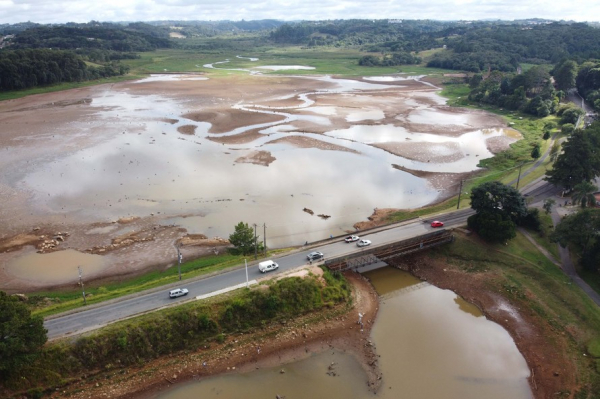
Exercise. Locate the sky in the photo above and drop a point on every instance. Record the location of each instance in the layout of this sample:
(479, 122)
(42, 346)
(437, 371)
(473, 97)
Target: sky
(60, 11)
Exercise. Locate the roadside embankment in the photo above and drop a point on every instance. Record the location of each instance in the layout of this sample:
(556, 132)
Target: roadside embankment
(274, 323)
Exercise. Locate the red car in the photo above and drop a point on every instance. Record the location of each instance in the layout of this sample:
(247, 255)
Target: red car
(437, 223)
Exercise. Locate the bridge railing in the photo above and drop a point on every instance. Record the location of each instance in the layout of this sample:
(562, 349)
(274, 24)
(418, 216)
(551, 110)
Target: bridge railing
(388, 251)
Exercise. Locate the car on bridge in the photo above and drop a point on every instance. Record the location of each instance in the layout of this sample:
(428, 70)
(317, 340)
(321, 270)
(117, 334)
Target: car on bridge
(316, 255)
(352, 238)
(437, 223)
(176, 293)
(363, 243)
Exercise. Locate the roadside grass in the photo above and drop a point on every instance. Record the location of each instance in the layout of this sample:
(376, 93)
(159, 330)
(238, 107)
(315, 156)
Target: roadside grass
(543, 239)
(519, 271)
(186, 327)
(592, 278)
(62, 301)
(406, 214)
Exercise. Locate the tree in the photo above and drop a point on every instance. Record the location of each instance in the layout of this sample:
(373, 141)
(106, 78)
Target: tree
(549, 126)
(565, 74)
(571, 115)
(546, 135)
(21, 335)
(567, 128)
(548, 204)
(499, 209)
(584, 194)
(532, 220)
(243, 240)
(535, 152)
(492, 226)
(497, 197)
(580, 159)
(581, 229)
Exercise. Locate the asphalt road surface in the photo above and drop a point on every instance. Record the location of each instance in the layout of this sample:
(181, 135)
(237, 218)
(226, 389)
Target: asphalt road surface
(99, 315)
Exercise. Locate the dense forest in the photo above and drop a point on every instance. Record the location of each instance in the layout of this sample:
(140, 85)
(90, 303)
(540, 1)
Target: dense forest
(504, 47)
(473, 47)
(133, 37)
(375, 36)
(531, 92)
(45, 55)
(23, 69)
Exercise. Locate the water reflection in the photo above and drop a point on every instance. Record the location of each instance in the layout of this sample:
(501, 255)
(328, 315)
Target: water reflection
(432, 348)
(429, 343)
(306, 379)
(141, 164)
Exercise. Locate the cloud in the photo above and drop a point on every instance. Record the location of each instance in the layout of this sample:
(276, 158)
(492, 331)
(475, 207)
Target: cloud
(60, 11)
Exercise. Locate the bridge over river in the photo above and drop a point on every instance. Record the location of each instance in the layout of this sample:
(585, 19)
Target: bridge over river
(375, 257)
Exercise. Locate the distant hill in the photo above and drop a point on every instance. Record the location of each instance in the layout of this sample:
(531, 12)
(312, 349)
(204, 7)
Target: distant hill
(93, 35)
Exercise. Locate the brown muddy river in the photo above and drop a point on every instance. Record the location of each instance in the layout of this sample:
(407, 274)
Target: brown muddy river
(431, 343)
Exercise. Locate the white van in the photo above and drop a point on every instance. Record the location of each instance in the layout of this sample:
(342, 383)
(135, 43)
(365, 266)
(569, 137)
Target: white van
(178, 292)
(267, 266)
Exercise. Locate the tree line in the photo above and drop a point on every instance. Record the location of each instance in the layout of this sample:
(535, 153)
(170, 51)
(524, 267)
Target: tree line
(504, 47)
(136, 37)
(372, 35)
(43, 55)
(24, 69)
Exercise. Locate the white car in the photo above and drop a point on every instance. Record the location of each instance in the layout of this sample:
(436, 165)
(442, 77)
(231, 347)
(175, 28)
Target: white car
(352, 238)
(267, 266)
(363, 243)
(178, 292)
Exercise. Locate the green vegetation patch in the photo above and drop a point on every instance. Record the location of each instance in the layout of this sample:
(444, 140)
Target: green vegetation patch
(185, 327)
(594, 347)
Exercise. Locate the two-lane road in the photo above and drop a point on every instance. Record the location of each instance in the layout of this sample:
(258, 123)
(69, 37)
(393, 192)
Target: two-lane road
(106, 313)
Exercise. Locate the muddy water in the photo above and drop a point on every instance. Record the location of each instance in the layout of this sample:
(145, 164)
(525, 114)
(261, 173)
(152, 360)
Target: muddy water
(435, 345)
(142, 165)
(432, 344)
(56, 266)
(303, 379)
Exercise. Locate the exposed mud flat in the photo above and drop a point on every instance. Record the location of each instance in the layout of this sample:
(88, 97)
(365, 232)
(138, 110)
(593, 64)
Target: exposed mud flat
(173, 145)
(263, 158)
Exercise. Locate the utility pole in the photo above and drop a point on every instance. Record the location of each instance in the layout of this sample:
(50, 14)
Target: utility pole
(255, 243)
(247, 283)
(265, 238)
(179, 259)
(81, 284)
(459, 193)
(519, 178)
